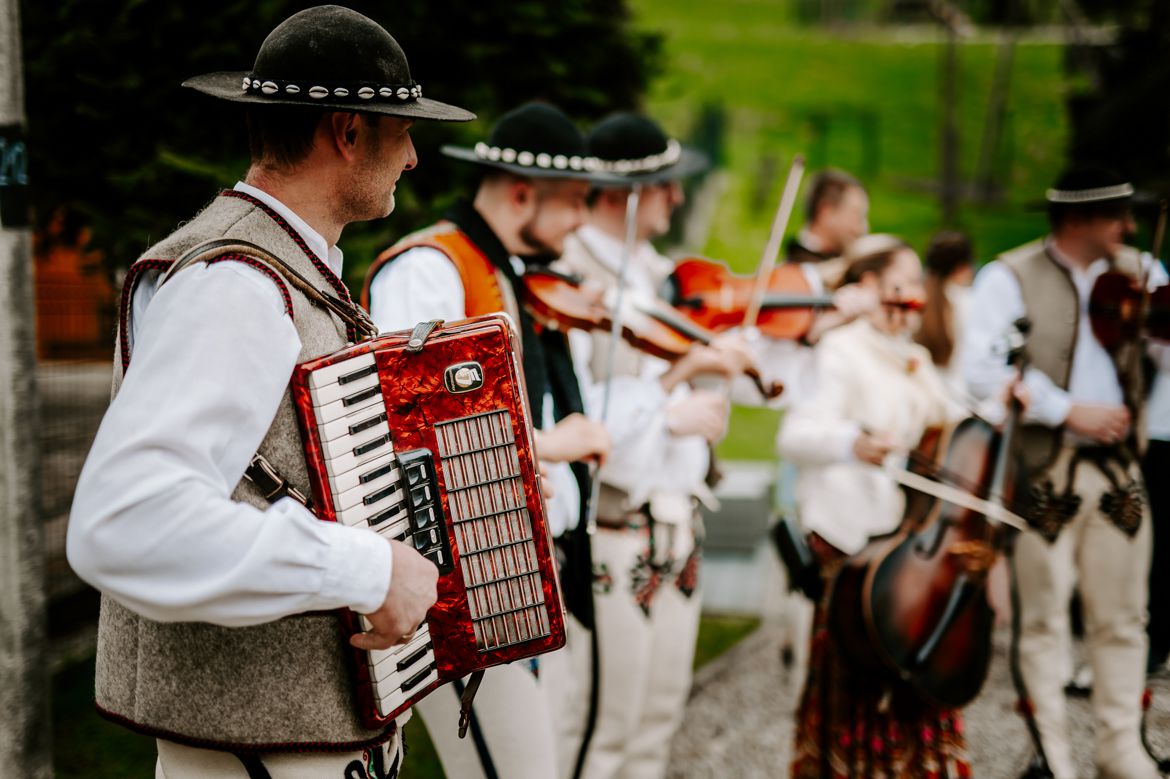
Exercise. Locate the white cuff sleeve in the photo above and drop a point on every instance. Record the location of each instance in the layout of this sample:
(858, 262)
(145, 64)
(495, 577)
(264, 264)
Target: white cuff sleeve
(359, 567)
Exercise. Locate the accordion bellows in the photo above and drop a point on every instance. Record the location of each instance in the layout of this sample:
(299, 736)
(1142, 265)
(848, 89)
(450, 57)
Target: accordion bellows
(429, 441)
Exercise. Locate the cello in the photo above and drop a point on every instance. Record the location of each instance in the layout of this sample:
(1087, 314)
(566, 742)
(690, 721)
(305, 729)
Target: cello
(913, 604)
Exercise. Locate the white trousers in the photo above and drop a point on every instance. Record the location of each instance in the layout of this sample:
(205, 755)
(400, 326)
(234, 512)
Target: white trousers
(176, 761)
(513, 732)
(645, 662)
(1110, 570)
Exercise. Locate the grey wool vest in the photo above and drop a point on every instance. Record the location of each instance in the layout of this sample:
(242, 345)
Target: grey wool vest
(280, 686)
(1054, 310)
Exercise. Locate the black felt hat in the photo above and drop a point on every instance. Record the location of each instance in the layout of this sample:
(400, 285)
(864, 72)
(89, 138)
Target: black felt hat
(537, 140)
(637, 150)
(1089, 185)
(332, 58)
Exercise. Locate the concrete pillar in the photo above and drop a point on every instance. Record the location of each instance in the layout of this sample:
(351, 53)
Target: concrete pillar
(25, 733)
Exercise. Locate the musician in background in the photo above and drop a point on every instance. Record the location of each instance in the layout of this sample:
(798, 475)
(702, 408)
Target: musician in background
(646, 549)
(217, 634)
(1155, 466)
(531, 196)
(950, 268)
(1078, 448)
(877, 393)
(836, 212)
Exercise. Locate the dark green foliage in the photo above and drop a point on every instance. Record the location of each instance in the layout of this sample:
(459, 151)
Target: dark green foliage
(112, 135)
(86, 745)
(1120, 117)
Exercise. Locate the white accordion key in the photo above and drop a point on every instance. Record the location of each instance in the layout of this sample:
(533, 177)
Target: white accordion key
(364, 440)
(352, 423)
(372, 491)
(356, 456)
(360, 399)
(398, 671)
(342, 374)
(375, 516)
(408, 654)
(356, 387)
(369, 472)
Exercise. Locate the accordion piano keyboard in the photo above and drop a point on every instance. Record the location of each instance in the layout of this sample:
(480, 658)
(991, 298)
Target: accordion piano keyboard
(493, 529)
(368, 491)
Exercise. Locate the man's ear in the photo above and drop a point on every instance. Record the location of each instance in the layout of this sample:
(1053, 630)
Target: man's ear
(615, 197)
(522, 192)
(344, 129)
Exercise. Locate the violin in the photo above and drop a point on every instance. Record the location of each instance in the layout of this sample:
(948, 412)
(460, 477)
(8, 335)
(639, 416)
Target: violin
(1120, 312)
(710, 295)
(558, 301)
(913, 605)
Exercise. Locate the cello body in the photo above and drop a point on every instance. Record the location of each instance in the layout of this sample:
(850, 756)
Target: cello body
(914, 605)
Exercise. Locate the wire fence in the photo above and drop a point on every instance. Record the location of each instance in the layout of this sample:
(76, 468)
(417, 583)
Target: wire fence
(75, 311)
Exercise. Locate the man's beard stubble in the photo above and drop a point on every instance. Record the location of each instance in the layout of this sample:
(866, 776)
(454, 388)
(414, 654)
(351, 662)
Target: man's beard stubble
(365, 196)
(543, 253)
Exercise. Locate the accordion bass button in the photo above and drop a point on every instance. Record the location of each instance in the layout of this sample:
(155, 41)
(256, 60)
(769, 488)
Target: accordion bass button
(420, 496)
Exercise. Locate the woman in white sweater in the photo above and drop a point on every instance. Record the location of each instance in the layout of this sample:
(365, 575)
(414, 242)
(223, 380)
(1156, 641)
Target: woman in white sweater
(876, 393)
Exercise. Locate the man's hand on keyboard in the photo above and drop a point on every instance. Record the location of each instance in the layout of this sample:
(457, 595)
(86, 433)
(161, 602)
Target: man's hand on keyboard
(412, 591)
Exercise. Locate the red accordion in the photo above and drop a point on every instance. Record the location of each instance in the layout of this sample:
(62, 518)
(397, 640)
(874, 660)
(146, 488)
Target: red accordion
(425, 437)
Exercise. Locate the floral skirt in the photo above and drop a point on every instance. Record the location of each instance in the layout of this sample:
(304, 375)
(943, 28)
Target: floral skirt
(851, 726)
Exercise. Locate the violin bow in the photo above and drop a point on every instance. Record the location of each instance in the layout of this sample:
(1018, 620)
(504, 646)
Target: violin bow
(615, 337)
(772, 248)
(1144, 271)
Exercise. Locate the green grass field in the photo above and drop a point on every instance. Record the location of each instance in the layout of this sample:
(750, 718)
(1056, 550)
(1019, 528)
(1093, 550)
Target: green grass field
(861, 102)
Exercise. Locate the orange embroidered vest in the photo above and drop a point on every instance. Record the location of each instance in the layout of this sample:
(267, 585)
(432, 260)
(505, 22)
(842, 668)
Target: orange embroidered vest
(483, 292)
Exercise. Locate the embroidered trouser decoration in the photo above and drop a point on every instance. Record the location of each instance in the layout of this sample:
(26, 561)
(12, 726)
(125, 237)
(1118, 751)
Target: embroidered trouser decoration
(1048, 512)
(1125, 503)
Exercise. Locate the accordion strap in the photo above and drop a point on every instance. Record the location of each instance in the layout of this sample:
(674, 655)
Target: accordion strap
(272, 485)
(466, 698)
(349, 313)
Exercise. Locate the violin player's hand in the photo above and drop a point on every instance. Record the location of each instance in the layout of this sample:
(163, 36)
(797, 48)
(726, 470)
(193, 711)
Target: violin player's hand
(412, 592)
(702, 413)
(1016, 389)
(737, 352)
(546, 486)
(593, 290)
(853, 300)
(1102, 423)
(849, 302)
(728, 355)
(872, 448)
(576, 437)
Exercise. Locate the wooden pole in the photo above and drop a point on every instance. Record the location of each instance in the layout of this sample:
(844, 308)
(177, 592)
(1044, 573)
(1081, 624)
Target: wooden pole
(949, 163)
(25, 737)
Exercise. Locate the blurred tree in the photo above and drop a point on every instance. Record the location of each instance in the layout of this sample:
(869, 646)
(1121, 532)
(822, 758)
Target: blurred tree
(112, 136)
(1120, 115)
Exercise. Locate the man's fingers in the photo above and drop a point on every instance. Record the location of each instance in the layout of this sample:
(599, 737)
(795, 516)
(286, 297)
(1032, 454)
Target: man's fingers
(371, 641)
(383, 639)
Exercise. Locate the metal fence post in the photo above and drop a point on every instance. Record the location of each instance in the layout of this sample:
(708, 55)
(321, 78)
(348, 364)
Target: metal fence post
(25, 735)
